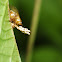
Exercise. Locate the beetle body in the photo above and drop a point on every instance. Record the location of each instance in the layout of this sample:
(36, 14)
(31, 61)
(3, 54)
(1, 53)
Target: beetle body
(15, 18)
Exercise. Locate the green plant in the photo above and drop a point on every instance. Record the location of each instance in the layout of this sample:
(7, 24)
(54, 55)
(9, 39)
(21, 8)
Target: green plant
(8, 47)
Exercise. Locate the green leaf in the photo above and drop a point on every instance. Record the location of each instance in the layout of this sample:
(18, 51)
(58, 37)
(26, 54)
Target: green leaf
(8, 47)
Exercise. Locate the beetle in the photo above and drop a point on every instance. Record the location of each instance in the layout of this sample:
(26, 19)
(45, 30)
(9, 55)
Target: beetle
(17, 22)
(15, 18)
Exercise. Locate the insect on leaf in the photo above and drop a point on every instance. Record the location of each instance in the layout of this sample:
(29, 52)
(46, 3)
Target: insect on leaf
(8, 47)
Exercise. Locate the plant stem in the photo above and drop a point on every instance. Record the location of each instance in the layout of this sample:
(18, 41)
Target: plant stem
(34, 26)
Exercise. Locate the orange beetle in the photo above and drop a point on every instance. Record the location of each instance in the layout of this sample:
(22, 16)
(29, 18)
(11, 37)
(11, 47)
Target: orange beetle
(17, 22)
(15, 18)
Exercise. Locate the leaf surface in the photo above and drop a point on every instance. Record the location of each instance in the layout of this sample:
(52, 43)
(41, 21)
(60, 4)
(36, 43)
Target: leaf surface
(8, 47)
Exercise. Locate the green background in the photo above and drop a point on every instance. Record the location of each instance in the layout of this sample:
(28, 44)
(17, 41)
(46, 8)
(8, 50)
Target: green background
(48, 42)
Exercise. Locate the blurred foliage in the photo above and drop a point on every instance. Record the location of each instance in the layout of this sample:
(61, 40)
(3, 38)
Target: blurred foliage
(50, 24)
(49, 29)
(46, 54)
